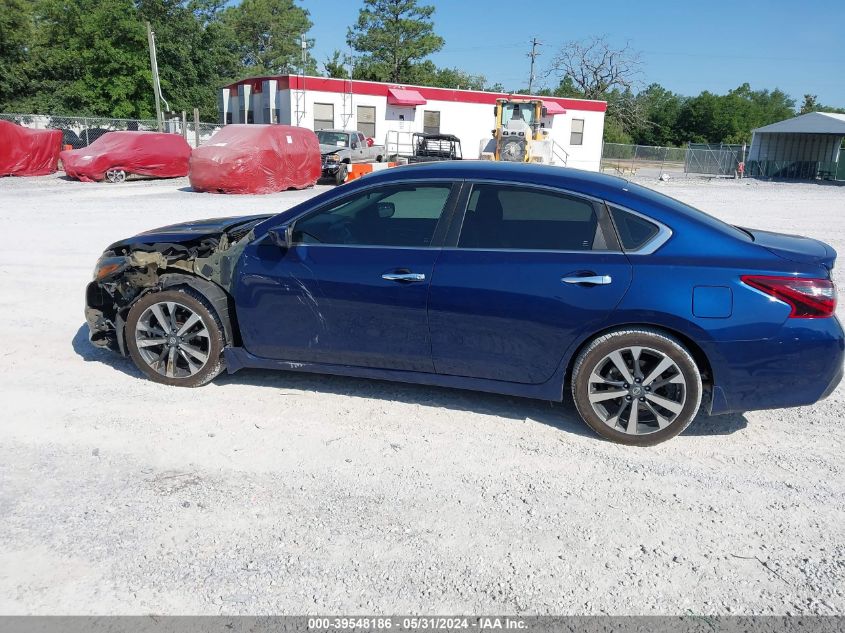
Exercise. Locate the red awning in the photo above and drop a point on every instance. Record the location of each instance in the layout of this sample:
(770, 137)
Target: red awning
(403, 97)
(553, 108)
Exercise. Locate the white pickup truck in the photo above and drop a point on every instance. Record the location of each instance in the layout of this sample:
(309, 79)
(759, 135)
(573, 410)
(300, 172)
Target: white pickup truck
(340, 148)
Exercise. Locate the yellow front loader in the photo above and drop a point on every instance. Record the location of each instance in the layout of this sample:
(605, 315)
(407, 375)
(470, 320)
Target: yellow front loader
(520, 135)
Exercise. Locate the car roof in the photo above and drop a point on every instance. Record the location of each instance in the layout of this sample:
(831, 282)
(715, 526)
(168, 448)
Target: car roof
(563, 177)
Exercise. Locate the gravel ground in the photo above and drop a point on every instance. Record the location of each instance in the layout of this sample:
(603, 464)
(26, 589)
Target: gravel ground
(283, 493)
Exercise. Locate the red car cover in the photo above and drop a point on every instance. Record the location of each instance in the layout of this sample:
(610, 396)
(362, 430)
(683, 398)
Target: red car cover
(256, 159)
(27, 152)
(144, 153)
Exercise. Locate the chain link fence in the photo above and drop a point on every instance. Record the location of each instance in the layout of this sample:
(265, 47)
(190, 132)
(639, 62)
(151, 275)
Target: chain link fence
(714, 159)
(694, 159)
(81, 131)
(642, 160)
(704, 159)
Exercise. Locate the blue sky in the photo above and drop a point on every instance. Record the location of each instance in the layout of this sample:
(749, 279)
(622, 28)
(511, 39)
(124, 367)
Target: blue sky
(686, 46)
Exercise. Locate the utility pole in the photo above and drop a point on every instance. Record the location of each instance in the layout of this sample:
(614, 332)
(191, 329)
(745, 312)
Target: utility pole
(151, 39)
(533, 55)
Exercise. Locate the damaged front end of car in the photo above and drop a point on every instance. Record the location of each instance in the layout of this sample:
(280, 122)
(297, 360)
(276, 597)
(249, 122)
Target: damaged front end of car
(200, 256)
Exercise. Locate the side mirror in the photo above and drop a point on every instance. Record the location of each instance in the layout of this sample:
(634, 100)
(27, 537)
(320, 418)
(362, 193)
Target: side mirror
(281, 236)
(385, 209)
(544, 112)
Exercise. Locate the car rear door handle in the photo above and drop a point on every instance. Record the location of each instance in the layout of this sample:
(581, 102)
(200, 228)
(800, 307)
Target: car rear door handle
(403, 277)
(595, 280)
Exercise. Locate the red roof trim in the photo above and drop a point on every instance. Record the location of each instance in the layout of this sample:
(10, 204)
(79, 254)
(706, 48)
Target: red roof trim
(376, 89)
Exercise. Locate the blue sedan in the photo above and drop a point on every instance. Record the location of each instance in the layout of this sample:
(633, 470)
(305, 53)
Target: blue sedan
(525, 280)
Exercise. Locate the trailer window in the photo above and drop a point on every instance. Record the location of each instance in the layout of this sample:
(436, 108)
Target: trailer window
(576, 137)
(367, 120)
(323, 116)
(431, 121)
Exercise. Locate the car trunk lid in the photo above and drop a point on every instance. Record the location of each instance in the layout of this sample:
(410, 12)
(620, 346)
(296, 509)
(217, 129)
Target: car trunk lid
(795, 248)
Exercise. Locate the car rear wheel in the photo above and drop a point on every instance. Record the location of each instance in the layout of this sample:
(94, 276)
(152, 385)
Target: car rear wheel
(636, 386)
(175, 338)
(115, 175)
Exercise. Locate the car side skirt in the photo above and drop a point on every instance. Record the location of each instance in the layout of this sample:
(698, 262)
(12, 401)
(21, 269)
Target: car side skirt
(238, 358)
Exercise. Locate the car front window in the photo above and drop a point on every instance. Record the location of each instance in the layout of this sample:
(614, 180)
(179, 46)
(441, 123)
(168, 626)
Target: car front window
(338, 139)
(395, 215)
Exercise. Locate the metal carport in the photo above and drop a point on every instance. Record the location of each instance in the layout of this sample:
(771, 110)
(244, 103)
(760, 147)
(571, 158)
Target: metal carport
(806, 147)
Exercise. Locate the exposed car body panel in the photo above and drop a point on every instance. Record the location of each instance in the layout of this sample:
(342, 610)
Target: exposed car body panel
(186, 231)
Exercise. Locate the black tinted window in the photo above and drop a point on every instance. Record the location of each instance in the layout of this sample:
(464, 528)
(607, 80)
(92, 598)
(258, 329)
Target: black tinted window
(502, 216)
(634, 231)
(400, 215)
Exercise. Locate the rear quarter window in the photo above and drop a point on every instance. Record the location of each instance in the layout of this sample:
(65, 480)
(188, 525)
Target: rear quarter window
(634, 231)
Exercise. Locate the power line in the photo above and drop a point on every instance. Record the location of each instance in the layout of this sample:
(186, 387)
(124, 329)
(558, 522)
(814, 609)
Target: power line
(533, 55)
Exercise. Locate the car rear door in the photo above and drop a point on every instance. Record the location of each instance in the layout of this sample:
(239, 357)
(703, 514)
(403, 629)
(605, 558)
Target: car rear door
(525, 271)
(352, 289)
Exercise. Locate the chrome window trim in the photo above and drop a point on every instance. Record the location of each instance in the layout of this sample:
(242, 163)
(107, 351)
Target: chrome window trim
(664, 233)
(552, 188)
(531, 250)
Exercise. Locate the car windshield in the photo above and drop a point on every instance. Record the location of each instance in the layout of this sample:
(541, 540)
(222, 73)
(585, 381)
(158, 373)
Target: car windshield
(688, 211)
(517, 111)
(338, 139)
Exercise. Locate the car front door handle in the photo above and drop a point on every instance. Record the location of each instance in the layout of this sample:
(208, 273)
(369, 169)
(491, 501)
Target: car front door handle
(595, 280)
(403, 277)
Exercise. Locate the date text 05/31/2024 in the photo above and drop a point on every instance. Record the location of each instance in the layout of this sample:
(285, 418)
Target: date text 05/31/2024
(416, 623)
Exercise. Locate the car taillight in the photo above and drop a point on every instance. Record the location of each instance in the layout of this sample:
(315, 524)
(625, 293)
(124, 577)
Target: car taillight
(808, 298)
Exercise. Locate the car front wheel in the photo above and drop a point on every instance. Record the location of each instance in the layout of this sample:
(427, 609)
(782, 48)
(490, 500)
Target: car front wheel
(636, 386)
(175, 337)
(115, 175)
(340, 175)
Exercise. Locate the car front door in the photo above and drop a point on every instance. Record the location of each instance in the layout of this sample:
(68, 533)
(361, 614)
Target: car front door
(527, 271)
(353, 286)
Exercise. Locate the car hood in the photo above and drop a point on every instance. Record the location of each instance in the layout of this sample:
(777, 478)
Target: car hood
(795, 248)
(330, 149)
(191, 231)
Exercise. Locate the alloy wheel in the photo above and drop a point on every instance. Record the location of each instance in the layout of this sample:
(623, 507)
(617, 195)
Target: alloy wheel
(172, 339)
(637, 390)
(115, 175)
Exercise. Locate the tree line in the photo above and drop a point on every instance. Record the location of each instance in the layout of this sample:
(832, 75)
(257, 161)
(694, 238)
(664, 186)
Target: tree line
(90, 57)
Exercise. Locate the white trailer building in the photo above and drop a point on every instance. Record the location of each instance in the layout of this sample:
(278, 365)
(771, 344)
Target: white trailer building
(389, 113)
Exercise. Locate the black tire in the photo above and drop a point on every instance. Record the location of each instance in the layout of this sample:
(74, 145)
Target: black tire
(186, 300)
(678, 386)
(379, 159)
(340, 175)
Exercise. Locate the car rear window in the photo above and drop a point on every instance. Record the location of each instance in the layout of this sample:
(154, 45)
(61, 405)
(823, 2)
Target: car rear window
(526, 218)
